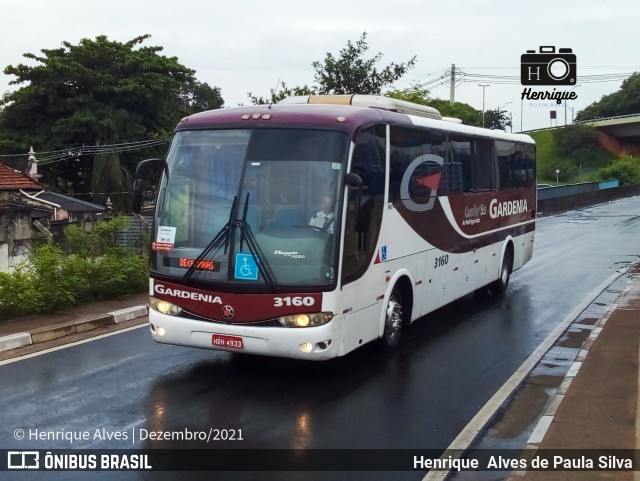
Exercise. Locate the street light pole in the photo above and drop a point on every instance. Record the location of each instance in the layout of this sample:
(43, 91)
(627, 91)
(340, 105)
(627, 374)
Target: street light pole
(483, 87)
(565, 106)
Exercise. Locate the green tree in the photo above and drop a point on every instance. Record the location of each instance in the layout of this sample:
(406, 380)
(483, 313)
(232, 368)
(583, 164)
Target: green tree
(419, 94)
(496, 119)
(624, 101)
(197, 97)
(459, 110)
(279, 93)
(579, 142)
(349, 73)
(96, 92)
(110, 180)
(416, 93)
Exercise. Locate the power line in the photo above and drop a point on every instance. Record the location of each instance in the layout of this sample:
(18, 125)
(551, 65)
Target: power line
(466, 74)
(49, 157)
(85, 146)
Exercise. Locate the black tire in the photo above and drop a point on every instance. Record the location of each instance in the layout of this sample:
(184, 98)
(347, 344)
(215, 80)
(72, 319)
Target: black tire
(499, 286)
(393, 322)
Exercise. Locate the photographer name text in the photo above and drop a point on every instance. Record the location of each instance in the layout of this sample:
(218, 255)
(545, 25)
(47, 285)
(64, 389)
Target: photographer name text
(558, 96)
(133, 435)
(543, 463)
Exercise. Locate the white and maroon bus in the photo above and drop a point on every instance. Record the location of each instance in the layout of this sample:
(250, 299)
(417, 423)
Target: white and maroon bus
(309, 228)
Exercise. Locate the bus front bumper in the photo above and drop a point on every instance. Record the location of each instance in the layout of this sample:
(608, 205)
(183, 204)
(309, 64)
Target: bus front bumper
(310, 343)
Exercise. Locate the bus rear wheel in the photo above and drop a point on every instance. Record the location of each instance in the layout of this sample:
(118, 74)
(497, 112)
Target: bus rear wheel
(393, 321)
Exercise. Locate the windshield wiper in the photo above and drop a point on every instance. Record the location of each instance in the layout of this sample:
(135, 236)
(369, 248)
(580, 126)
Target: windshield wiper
(246, 235)
(218, 239)
(226, 235)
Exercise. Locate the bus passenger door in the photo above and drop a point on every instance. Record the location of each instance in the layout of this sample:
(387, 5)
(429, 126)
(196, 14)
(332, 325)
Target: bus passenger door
(363, 277)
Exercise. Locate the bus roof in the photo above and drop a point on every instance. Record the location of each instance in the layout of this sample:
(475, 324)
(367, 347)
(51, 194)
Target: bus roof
(342, 112)
(370, 101)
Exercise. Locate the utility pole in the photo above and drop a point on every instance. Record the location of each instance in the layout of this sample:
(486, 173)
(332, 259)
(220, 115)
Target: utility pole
(484, 86)
(452, 91)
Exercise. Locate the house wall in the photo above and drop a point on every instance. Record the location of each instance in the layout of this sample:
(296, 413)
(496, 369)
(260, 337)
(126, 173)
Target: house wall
(15, 237)
(4, 257)
(22, 227)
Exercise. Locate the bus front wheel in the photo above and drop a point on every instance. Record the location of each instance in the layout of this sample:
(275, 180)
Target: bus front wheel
(499, 287)
(394, 315)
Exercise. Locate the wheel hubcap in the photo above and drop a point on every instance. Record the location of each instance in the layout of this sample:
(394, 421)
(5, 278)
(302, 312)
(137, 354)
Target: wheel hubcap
(505, 273)
(394, 318)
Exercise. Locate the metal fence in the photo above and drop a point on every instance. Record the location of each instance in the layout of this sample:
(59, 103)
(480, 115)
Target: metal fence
(136, 234)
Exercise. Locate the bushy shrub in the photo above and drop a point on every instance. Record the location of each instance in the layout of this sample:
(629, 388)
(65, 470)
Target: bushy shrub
(54, 276)
(575, 139)
(626, 169)
(92, 268)
(99, 241)
(18, 294)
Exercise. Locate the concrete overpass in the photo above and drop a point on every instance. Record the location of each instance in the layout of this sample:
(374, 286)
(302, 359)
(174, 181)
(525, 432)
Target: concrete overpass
(625, 128)
(619, 135)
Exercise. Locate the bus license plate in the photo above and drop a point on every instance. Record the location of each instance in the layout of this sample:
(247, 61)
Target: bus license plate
(232, 342)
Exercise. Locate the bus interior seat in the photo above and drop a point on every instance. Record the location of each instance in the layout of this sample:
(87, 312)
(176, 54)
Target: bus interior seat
(286, 216)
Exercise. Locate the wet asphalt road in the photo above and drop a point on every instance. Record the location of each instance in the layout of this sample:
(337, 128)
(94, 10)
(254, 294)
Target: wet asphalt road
(450, 364)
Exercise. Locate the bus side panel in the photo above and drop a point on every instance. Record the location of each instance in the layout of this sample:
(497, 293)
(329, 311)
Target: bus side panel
(401, 248)
(362, 311)
(438, 280)
(523, 250)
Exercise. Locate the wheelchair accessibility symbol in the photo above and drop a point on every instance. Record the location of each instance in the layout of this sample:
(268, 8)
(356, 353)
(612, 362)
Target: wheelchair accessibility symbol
(246, 267)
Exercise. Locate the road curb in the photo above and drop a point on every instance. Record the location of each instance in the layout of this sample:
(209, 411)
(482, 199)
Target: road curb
(15, 341)
(57, 331)
(129, 313)
(491, 409)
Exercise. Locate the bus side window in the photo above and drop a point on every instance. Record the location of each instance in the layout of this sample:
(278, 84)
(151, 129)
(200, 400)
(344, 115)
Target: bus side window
(483, 160)
(461, 148)
(530, 164)
(504, 153)
(516, 164)
(406, 146)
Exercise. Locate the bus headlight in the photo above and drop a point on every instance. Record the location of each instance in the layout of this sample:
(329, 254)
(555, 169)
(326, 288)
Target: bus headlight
(164, 307)
(306, 320)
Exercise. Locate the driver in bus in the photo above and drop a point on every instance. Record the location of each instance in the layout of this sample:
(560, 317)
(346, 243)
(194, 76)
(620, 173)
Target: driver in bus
(325, 218)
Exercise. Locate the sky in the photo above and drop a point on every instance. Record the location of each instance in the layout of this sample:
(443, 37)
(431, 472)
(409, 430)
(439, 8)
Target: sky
(246, 46)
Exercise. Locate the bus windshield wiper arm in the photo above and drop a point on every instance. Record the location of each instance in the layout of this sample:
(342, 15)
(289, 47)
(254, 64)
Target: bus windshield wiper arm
(259, 258)
(246, 235)
(218, 239)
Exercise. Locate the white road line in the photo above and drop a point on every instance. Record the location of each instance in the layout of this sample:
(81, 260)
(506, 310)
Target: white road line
(71, 344)
(472, 430)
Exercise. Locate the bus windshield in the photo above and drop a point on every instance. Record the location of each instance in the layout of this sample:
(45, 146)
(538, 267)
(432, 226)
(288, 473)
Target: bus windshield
(252, 207)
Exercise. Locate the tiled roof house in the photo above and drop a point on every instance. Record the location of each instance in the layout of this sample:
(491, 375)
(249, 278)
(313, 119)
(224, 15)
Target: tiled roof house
(11, 179)
(17, 213)
(63, 208)
(25, 203)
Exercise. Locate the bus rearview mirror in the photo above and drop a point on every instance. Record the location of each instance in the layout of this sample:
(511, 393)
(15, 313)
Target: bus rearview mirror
(353, 180)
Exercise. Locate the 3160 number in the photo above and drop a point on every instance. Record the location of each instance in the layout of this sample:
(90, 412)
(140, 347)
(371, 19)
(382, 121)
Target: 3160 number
(441, 261)
(293, 301)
